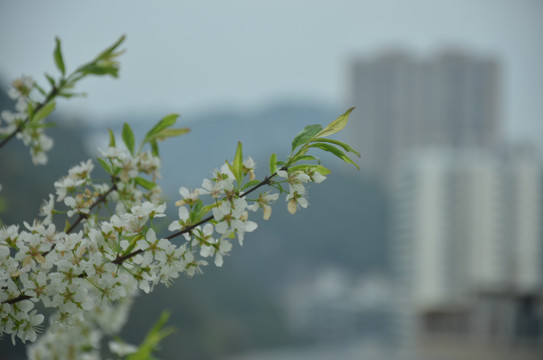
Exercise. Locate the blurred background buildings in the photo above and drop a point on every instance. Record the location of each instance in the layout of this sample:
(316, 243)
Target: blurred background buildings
(467, 247)
(468, 253)
(404, 103)
(465, 273)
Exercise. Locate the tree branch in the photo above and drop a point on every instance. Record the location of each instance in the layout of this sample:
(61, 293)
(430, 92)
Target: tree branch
(120, 259)
(266, 181)
(17, 299)
(81, 216)
(101, 199)
(22, 125)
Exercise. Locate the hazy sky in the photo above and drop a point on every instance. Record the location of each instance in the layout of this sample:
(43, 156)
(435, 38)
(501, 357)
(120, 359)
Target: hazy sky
(185, 56)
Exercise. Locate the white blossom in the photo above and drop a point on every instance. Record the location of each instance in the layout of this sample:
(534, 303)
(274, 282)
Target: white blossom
(81, 171)
(148, 164)
(21, 87)
(183, 214)
(12, 120)
(215, 247)
(263, 202)
(295, 199)
(249, 167)
(188, 197)
(121, 348)
(66, 185)
(47, 209)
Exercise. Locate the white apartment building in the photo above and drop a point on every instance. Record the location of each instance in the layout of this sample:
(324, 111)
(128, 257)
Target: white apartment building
(468, 245)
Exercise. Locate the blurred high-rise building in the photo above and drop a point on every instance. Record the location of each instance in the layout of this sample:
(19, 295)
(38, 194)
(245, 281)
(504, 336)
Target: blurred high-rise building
(467, 244)
(474, 223)
(468, 250)
(404, 103)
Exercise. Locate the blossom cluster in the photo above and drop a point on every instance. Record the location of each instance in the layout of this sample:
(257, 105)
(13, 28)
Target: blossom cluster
(17, 122)
(76, 273)
(33, 103)
(83, 339)
(116, 251)
(110, 247)
(230, 215)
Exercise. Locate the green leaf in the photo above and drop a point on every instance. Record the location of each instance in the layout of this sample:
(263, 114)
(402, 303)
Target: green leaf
(198, 205)
(206, 209)
(30, 109)
(273, 164)
(128, 138)
(346, 147)
(303, 158)
(133, 241)
(305, 135)
(103, 64)
(335, 151)
(193, 217)
(111, 138)
(44, 111)
(154, 148)
(57, 54)
(100, 69)
(279, 187)
(238, 164)
(66, 225)
(195, 214)
(44, 125)
(51, 80)
(40, 89)
(166, 133)
(232, 169)
(144, 183)
(160, 132)
(107, 53)
(164, 123)
(105, 165)
(250, 184)
(321, 169)
(336, 125)
(116, 171)
(152, 339)
(68, 95)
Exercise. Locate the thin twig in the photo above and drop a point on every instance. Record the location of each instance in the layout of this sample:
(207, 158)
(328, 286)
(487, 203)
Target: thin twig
(17, 299)
(22, 125)
(266, 181)
(120, 259)
(70, 229)
(98, 201)
(82, 216)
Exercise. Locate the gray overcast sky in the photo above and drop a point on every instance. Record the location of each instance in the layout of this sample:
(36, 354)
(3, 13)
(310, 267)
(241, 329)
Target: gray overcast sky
(184, 56)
